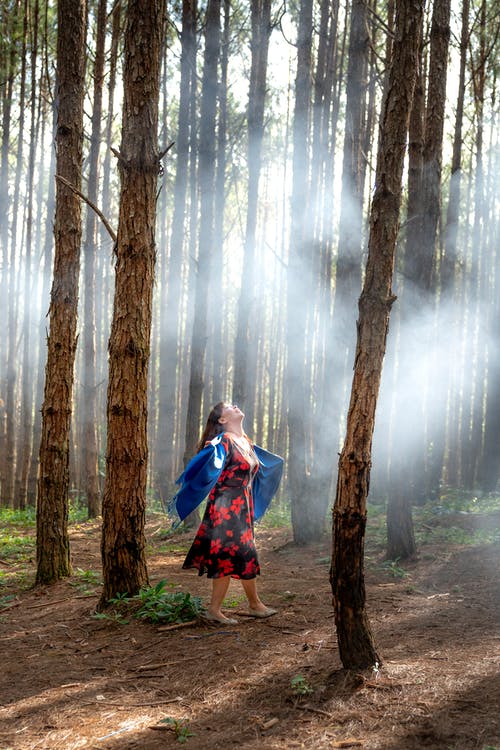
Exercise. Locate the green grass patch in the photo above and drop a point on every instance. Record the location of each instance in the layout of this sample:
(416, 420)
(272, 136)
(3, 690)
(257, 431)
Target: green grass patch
(86, 580)
(24, 518)
(436, 522)
(14, 548)
(233, 602)
(6, 601)
(394, 569)
(456, 500)
(457, 535)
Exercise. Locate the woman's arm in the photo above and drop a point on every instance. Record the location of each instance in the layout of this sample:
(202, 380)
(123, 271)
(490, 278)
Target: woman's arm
(198, 478)
(266, 482)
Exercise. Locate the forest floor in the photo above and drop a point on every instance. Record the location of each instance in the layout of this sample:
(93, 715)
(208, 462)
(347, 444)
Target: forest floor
(69, 680)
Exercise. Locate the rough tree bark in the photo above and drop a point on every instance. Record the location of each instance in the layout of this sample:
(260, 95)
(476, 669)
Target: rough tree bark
(356, 646)
(53, 558)
(124, 501)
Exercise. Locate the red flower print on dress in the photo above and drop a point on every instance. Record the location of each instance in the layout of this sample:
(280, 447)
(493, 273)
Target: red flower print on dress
(226, 567)
(250, 568)
(246, 537)
(237, 504)
(215, 546)
(226, 530)
(215, 516)
(225, 514)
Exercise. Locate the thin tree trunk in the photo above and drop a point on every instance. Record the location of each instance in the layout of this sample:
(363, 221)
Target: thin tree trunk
(89, 481)
(216, 389)
(305, 526)
(245, 348)
(170, 351)
(26, 418)
(47, 262)
(103, 270)
(53, 558)
(479, 263)
(489, 465)
(124, 502)
(7, 444)
(356, 647)
(206, 172)
(400, 534)
(348, 267)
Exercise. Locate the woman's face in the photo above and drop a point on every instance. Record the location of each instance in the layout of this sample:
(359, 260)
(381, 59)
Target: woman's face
(230, 413)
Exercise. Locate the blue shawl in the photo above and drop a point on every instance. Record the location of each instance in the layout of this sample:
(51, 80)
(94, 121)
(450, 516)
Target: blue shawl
(204, 469)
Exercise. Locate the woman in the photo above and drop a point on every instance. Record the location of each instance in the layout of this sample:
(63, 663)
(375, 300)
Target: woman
(240, 479)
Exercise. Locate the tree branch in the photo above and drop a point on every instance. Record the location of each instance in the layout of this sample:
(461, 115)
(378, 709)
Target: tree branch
(89, 203)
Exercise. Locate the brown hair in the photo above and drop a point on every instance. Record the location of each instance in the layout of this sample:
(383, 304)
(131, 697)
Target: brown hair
(213, 427)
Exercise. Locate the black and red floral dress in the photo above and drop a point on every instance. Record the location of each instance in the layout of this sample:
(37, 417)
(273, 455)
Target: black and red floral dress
(224, 544)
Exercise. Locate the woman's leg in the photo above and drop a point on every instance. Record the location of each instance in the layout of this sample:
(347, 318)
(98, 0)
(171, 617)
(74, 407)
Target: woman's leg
(219, 590)
(254, 602)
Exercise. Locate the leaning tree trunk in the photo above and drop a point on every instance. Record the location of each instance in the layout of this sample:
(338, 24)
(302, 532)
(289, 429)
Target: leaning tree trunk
(53, 560)
(124, 502)
(356, 646)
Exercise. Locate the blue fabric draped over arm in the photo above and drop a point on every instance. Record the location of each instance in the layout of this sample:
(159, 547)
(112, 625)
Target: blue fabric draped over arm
(266, 482)
(198, 478)
(204, 469)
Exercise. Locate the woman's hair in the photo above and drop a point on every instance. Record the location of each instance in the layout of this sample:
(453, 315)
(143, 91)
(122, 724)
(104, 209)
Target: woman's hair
(213, 427)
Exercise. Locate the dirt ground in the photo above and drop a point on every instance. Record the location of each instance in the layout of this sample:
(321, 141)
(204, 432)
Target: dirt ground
(71, 681)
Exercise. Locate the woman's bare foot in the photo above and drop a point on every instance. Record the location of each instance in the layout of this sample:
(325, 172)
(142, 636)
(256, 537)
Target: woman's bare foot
(262, 611)
(218, 616)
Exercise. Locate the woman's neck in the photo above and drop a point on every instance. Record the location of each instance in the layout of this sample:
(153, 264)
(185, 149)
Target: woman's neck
(236, 430)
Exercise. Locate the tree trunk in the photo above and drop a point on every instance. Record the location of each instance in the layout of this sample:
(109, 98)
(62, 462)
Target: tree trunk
(28, 359)
(89, 480)
(357, 650)
(480, 270)
(206, 222)
(170, 351)
(7, 444)
(400, 534)
(53, 559)
(103, 272)
(217, 345)
(305, 527)
(245, 349)
(350, 245)
(124, 502)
